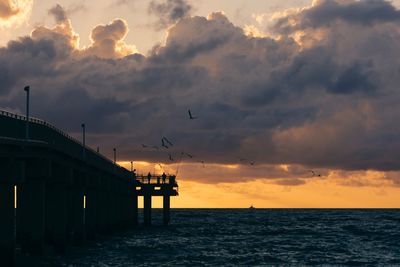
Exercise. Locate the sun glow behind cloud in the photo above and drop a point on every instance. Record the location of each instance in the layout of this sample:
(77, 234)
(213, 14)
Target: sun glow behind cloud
(13, 13)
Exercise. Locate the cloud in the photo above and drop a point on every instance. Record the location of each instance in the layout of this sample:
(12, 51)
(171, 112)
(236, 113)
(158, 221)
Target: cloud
(169, 11)
(14, 13)
(8, 9)
(108, 40)
(314, 95)
(59, 13)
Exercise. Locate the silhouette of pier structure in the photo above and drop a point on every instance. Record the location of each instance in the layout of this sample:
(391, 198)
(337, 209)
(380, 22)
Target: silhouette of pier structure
(64, 192)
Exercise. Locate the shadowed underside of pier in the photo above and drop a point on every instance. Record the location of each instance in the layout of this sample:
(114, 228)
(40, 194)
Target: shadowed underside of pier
(67, 193)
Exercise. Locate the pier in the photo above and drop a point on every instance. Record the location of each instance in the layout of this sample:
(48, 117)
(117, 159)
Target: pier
(56, 191)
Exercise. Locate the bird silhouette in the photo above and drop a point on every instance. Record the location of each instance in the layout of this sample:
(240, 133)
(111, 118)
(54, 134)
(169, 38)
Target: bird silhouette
(163, 144)
(252, 163)
(168, 142)
(191, 116)
(315, 173)
(187, 154)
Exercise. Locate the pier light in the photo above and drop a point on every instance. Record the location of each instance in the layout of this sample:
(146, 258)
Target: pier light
(27, 90)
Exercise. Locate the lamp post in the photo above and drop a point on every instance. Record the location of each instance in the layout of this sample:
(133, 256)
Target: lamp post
(27, 89)
(83, 140)
(131, 166)
(115, 155)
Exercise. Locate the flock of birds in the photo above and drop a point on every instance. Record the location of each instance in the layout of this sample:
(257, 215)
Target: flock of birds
(167, 144)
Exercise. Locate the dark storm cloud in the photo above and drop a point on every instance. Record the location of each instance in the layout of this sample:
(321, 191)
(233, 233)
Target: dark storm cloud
(326, 12)
(169, 11)
(328, 99)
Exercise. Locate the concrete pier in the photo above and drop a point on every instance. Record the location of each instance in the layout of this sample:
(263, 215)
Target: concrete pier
(53, 179)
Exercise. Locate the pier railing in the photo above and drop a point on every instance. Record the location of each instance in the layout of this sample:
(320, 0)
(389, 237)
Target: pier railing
(45, 131)
(157, 180)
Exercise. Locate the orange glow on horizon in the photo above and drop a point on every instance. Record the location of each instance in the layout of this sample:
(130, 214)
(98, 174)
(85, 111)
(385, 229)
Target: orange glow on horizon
(368, 189)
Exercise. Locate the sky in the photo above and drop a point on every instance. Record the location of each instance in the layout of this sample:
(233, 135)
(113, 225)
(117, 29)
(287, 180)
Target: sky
(296, 101)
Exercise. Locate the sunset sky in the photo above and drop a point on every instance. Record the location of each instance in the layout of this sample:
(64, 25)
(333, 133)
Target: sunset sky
(297, 101)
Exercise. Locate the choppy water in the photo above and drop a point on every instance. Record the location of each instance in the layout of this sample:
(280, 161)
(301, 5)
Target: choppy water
(262, 237)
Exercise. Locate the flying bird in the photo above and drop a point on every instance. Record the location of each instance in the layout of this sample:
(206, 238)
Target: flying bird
(315, 173)
(163, 144)
(166, 140)
(187, 154)
(191, 116)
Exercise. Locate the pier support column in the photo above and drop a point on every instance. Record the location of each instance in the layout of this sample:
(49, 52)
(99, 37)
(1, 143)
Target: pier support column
(135, 209)
(31, 213)
(78, 213)
(7, 225)
(57, 215)
(147, 209)
(91, 213)
(166, 209)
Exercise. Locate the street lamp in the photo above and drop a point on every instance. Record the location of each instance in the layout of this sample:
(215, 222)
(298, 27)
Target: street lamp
(83, 140)
(27, 89)
(131, 166)
(115, 155)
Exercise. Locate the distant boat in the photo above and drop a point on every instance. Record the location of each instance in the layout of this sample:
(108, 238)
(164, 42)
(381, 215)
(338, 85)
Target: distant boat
(252, 207)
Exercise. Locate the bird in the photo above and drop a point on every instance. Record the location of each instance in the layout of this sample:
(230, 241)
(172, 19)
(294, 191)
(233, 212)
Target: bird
(190, 115)
(163, 144)
(169, 142)
(187, 154)
(315, 173)
(252, 163)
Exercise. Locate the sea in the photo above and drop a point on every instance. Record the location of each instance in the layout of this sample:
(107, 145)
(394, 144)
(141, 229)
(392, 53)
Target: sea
(249, 237)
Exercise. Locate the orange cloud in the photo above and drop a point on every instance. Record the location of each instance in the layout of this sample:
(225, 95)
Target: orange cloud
(14, 13)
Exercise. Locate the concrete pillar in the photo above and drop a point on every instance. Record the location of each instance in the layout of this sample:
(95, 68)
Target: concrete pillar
(57, 215)
(31, 215)
(91, 213)
(166, 209)
(147, 209)
(101, 210)
(135, 209)
(78, 214)
(7, 225)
